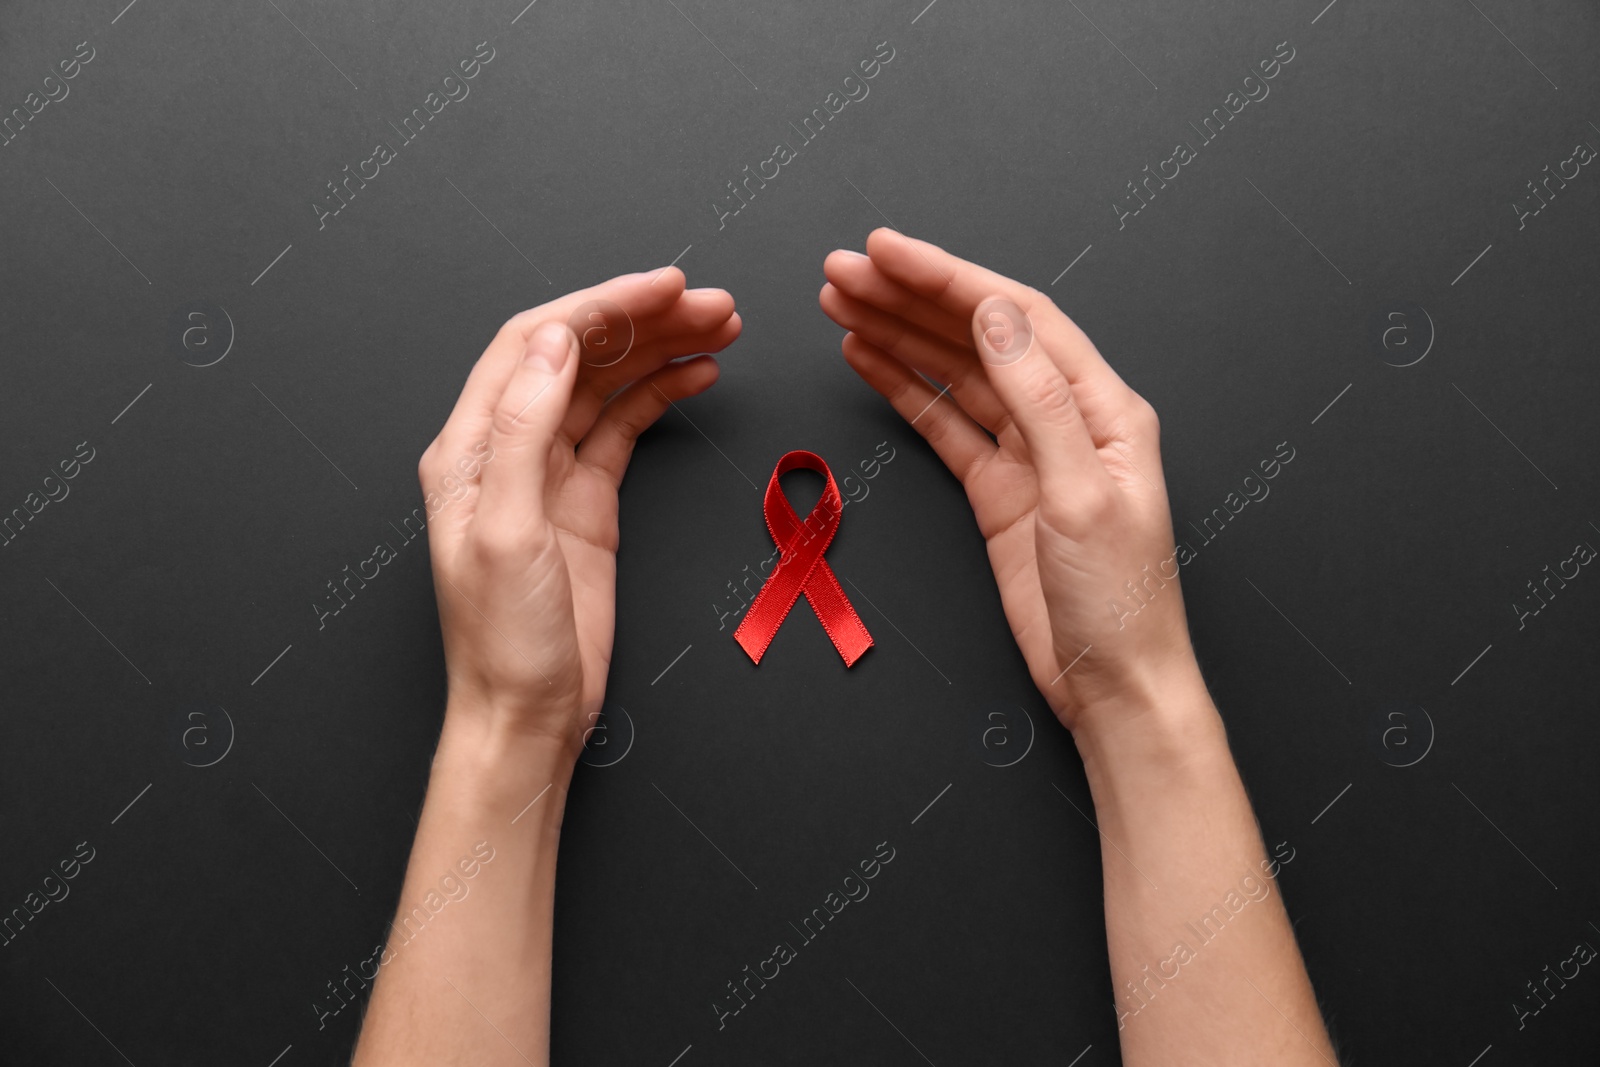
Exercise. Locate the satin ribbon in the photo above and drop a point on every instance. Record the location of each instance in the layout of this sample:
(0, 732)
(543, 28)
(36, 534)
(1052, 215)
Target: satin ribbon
(801, 569)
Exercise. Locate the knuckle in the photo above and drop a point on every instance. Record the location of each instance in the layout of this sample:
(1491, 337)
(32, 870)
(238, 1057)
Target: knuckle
(1153, 421)
(496, 544)
(505, 422)
(1051, 401)
(521, 323)
(513, 415)
(1144, 416)
(1077, 510)
(882, 331)
(939, 426)
(891, 335)
(896, 299)
(1099, 503)
(1030, 300)
(1059, 513)
(631, 424)
(902, 392)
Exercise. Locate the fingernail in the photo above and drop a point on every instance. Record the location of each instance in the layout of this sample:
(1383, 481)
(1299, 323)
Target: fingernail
(550, 346)
(852, 253)
(1004, 332)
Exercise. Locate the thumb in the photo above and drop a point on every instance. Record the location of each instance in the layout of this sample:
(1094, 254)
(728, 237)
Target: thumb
(1038, 398)
(526, 417)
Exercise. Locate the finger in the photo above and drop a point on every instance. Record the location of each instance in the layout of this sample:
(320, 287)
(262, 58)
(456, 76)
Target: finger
(525, 419)
(640, 296)
(609, 445)
(959, 287)
(1041, 404)
(1105, 401)
(698, 311)
(954, 437)
(923, 352)
(587, 403)
(856, 275)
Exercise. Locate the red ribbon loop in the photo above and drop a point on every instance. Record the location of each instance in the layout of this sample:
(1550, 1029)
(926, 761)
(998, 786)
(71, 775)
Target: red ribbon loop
(801, 569)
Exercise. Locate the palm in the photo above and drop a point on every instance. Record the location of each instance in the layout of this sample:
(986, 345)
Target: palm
(1004, 494)
(582, 508)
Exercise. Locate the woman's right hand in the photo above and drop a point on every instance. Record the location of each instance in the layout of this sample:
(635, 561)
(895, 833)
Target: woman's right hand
(524, 555)
(1060, 460)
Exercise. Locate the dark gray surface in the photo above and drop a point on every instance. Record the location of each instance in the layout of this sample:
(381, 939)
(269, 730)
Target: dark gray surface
(187, 155)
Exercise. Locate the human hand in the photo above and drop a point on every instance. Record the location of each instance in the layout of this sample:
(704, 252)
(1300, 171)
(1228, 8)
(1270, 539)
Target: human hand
(1060, 460)
(524, 556)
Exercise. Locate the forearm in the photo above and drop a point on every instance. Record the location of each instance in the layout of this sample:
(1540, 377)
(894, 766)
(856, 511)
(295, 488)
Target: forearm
(1203, 960)
(465, 977)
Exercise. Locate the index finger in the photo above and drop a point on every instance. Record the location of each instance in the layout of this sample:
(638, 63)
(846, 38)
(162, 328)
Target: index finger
(638, 295)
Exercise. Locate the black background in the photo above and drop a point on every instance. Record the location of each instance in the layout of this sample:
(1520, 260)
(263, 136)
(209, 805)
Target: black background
(1241, 302)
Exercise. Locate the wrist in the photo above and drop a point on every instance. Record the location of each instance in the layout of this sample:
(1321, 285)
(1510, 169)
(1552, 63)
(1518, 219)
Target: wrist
(491, 761)
(1157, 725)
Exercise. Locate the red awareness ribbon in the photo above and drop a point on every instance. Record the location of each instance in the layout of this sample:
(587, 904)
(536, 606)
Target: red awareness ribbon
(801, 569)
